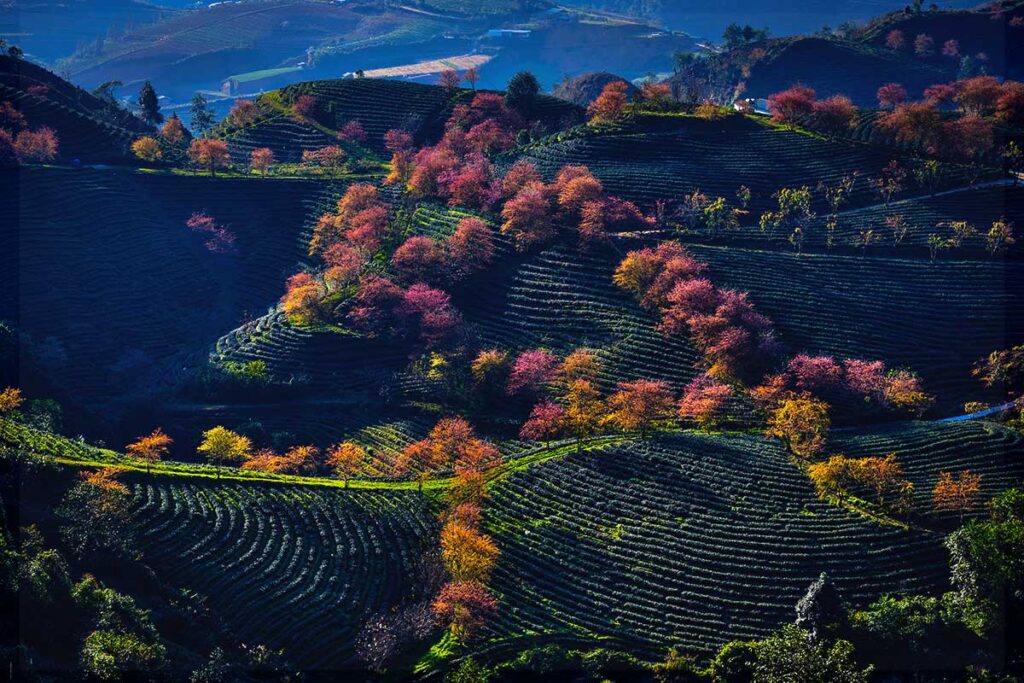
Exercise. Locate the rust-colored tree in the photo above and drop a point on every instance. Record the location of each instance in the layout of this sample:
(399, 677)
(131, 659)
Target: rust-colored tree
(38, 145)
(209, 154)
(527, 217)
(261, 160)
(347, 459)
(465, 607)
(610, 105)
(150, 448)
(958, 494)
(546, 422)
(470, 248)
(704, 401)
(640, 405)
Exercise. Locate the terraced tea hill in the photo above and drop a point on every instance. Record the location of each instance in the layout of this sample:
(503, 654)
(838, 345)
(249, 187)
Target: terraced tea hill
(716, 157)
(562, 299)
(110, 284)
(980, 207)
(378, 104)
(935, 318)
(298, 568)
(88, 129)
(694, 540)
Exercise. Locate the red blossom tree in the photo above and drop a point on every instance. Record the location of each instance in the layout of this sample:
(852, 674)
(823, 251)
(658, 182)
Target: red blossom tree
(430, 164)
(428, 313)
(866, 378)
(518, 176)
(466, 607)
(375, 303)
(449, 80)
(978, 95)
(546, 422)
(352, 131)
(39, 145)
(917, 123)
(531, 370)
(890, 95)
(793, 106)
(218, 238)
(419, 258)
(469, 185)
(895, 40)
(488, 137)
(1010, 105)
(397, 140)
(834, 115)
(704, 400)
(939, 93)
(527, 217)
(815, 373)
(209, 154)
(304, 107)
(243, 113)
(471, 247)
(969, 136)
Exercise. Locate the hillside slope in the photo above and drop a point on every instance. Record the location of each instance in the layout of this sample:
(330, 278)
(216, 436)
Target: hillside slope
(115, 293)
(694, 540)
(88, 128)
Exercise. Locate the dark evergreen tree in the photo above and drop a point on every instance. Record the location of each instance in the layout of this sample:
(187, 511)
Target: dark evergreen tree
(522, 91)
(202, 116)
(149, 106)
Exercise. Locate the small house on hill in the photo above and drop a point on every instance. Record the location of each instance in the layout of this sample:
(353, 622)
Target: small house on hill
(752, 105)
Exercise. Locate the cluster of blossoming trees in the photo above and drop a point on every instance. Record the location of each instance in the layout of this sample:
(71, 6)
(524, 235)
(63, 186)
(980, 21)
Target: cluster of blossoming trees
(21, 143)
(953, 120)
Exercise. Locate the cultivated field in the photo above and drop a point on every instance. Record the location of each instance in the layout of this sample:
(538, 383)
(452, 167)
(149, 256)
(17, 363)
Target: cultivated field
(287, 567)
(694, 540)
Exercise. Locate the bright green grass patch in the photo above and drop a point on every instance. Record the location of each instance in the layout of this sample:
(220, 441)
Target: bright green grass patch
(263, 73)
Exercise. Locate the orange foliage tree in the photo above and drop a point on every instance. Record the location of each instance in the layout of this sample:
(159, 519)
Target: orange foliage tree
(150, 448)
(209, 154)
(147, 148)
(468, 554)
(10, 400)
(347, 459)
(640, 404)
(801, 423)
(885, 476)
(959, 493)
(833, 477)
(610, 105)
(584, 411)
